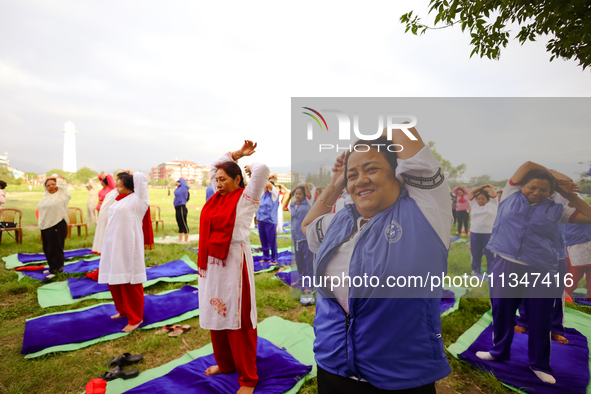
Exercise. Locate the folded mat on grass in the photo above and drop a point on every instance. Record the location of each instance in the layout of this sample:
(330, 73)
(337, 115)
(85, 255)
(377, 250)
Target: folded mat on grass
(77, 267)
(20, 259)
(570, 362)
(71, 330)
(450, 300)
(283, 258)
(278, 372)
(296, 338)
(59, 293)
(580, 297)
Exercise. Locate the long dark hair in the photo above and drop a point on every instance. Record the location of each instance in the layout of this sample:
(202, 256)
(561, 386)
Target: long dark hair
(233, 170)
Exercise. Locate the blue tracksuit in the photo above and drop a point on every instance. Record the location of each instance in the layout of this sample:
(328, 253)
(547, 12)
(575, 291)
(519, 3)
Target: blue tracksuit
(181, 193)
(303, 256)
(391, 341)
(267, 220)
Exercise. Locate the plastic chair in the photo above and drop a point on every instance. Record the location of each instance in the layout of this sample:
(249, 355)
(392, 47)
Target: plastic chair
(153, 209)
(75, 223)
(9, 215)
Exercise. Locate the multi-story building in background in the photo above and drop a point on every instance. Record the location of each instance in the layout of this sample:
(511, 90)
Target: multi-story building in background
(292, 178)
(176, 169)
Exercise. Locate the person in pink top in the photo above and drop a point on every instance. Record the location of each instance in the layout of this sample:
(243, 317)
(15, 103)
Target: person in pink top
(108, 185)
(462, 208)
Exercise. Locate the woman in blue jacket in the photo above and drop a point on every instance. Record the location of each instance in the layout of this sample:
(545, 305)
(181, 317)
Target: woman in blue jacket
(527, 241)
(372, 337)
(181, 197)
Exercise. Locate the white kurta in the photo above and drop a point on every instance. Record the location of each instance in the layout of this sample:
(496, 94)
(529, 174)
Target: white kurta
(53, 208)
(122, 256)
(92, 201)
(103, 218)
(221, 289)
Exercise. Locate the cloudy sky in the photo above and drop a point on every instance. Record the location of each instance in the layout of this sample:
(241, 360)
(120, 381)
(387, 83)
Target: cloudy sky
(147, 82)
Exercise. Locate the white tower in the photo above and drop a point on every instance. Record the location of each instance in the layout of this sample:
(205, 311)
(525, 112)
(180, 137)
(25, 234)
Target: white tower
(69, 147)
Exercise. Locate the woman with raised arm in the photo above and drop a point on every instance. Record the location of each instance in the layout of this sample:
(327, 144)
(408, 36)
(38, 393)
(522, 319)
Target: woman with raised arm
(122, 265)
(108, 185)
(53, 222)
(227, 303)
(372, 338)
(483, 207)
(462, 209)
(526, 239)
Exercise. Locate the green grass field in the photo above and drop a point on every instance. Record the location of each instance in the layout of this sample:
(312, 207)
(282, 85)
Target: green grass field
(68, 372)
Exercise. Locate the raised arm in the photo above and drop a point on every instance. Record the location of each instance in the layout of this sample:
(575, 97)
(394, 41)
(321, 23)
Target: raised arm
(410, 147)
(329, 196)
(258, 181)
(247, 149)
(474, 190)
(568, 191)
(140, 189)
(62, 188)
(524, 169)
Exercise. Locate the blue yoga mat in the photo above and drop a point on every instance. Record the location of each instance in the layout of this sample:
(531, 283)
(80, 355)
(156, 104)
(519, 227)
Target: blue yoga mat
(569, 362)
(278, 372)
(73, 327)
(79, 267)
(30, 257)
(80, 287)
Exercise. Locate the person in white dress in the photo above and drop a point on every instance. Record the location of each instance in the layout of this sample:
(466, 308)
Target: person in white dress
(101, 223)
(92, 201)
(226, 283)
(122, 264)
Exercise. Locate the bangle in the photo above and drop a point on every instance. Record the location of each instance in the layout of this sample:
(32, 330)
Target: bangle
(325, 204)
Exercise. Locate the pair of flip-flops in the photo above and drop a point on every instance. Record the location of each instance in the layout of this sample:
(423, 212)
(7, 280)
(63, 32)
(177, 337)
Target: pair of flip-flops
(174, 331)
(118, 363)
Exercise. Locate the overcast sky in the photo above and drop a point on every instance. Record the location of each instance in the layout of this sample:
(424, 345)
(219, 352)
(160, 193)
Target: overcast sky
(148, 82)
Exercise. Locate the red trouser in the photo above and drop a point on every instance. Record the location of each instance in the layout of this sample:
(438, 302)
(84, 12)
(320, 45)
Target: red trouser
(129, 301)
(236, 350)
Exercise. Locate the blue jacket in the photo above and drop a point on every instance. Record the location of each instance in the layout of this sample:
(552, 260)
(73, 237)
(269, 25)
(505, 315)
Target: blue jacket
(209, 192)
(528, 234)
(393, 343)
(297, 217)
(181, 193)
(268, 209)
(576, 234)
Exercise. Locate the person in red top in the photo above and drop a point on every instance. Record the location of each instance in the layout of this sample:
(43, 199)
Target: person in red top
(462, 208)
(108, 185)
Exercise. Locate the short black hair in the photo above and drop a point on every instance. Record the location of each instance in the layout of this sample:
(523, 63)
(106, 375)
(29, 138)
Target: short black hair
(127, 180)
(482, 193)
(2, 184)
(540, 174)
(50, 179)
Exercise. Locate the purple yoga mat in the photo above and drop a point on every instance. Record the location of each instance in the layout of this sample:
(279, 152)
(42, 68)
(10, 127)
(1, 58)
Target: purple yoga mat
(283, 258)
(81, 326)
(278, 372)
(80, 287)
(80, 267)
(31, 257)
(569, 362)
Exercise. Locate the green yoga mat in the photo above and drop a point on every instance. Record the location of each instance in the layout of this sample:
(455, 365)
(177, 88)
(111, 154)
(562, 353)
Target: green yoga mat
(572, 318)
(58, 293)
(12, 260)
(296, 338)
(75, 346)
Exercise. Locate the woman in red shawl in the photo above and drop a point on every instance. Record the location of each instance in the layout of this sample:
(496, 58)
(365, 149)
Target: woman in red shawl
(108, 185)
(227, 304)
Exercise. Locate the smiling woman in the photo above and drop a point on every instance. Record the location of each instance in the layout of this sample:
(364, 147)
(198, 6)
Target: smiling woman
(369, 339)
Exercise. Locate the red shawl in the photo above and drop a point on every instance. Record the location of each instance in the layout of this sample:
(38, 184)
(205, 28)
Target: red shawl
(216, 226)
(146, 225)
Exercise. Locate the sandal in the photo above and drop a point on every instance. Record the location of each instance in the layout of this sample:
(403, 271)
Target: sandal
(166, 329)
(117, 372)
(125, 359)
(178, 330)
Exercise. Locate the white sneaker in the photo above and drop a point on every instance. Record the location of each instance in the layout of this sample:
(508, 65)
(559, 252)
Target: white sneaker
(544, 377)
(485, 356)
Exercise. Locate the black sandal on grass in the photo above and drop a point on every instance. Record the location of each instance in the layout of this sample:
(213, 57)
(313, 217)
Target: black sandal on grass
(125, 359)
(118, 372)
